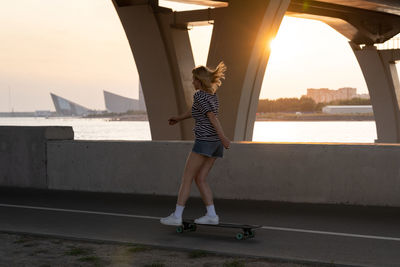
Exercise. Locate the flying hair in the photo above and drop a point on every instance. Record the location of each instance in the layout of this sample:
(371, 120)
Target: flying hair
(210, 78)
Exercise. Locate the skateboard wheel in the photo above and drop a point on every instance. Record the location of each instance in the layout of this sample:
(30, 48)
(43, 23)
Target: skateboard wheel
(239, 236)
(192, 227)
(179, 229)
(251, 234)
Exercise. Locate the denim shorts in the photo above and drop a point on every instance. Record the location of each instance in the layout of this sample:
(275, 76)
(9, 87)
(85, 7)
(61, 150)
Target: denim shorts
(209, 148)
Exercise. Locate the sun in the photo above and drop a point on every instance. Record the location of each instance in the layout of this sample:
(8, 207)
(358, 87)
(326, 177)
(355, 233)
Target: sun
(281, 47)
(273, 44)
(285, 39)
(290, 38)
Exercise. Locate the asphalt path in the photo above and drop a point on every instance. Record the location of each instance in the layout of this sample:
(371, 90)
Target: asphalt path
(332, 234)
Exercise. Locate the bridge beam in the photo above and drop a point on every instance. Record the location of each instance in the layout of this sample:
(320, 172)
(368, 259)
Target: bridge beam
(361, 26)
(379, 70)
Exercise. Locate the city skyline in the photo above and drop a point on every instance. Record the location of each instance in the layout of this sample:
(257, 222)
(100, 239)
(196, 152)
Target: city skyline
(138, 100)
(77, 49)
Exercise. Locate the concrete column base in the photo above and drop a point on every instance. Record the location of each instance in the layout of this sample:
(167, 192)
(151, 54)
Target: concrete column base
(23, 154)
(379, 69)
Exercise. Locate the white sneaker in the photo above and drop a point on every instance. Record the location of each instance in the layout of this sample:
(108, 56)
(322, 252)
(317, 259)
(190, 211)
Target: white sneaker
(207, 219)
(171, 220)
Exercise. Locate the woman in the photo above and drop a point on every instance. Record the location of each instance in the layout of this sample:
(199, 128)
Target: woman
(209, 143)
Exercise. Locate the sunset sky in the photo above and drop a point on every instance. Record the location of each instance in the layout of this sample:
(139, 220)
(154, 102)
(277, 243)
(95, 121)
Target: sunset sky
(78, 48)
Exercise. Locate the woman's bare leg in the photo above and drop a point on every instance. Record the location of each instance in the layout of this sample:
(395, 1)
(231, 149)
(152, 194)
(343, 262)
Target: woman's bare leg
(193, 165)
(201, 182)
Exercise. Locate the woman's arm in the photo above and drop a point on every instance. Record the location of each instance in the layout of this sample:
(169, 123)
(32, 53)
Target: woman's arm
(184, 116)
(215, 122)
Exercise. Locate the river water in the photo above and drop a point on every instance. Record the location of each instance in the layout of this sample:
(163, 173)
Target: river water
(264, 131)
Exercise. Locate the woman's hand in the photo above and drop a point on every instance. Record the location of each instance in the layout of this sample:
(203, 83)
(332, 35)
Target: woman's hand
(226, 142)
(173, 120)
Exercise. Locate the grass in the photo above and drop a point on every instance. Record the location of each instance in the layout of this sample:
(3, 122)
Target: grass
(138, 248)
(30, 245)
(156, 264)
(40, 251)
(198, 254)
(92, 259)
(234, 263)
(57, 242)
(23, 239)
(75, 251)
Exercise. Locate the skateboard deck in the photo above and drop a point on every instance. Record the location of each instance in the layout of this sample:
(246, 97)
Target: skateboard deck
(247, 229)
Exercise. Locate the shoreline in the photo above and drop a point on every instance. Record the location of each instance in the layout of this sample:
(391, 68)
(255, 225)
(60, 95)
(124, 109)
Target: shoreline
(281, 116)
(274, 117)
(278, 116)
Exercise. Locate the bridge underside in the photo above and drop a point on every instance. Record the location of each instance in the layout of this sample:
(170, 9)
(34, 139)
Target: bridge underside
(242, 29)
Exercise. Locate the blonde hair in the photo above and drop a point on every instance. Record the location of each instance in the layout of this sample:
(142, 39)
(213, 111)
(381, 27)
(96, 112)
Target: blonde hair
(210, 79)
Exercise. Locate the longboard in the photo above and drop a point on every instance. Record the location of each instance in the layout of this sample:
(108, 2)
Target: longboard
(247, 229)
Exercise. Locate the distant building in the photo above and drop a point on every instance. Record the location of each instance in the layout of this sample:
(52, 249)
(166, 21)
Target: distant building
(325, 95)
(65, 107)
(142, 103)
(43, 113)
(363, 96)
(120, 104)
(347, 109)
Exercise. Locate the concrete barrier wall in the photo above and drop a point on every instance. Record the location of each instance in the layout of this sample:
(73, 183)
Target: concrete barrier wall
(23, 154)
(125, 167)
(302, 173)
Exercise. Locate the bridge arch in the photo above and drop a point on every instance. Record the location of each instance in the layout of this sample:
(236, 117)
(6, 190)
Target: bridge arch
(160, 44)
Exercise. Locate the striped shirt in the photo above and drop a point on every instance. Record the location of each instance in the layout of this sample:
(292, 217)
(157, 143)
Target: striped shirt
(204, 102)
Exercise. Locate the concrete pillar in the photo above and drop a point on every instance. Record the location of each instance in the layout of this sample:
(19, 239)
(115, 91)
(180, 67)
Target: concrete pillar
(164, 60)
(241, 35)
(379, 69)
(23, 154)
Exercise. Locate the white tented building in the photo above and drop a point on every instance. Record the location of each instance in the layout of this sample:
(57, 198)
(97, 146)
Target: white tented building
(120, 104)
(361, 109)
(65, 107)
